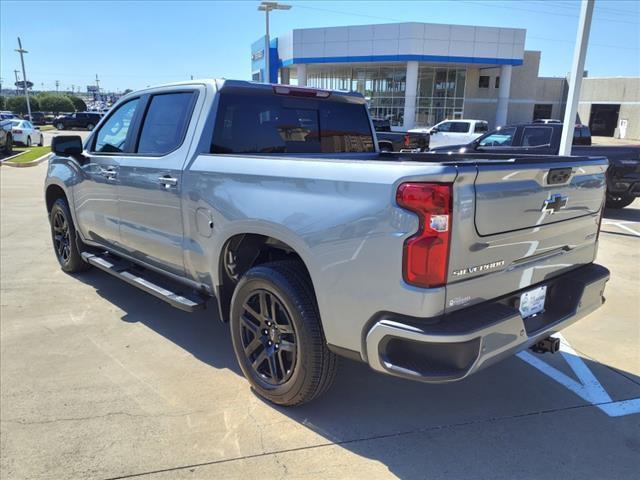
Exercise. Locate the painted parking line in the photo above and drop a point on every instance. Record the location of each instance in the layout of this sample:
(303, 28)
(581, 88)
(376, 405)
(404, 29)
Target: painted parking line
(587, 387)
(623, 226)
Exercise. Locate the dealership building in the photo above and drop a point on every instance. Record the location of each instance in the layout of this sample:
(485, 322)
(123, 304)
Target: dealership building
(417, 74)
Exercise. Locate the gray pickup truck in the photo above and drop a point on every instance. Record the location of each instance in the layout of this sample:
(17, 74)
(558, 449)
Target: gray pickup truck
(275, 201)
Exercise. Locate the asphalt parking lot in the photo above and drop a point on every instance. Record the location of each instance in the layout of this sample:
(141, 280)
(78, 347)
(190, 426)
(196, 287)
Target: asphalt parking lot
(99, 380)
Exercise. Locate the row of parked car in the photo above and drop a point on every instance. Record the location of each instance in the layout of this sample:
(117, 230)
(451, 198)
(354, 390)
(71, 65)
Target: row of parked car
(540, 137)
(67, 121)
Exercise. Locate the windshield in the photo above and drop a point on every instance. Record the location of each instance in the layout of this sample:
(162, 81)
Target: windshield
(499, 138)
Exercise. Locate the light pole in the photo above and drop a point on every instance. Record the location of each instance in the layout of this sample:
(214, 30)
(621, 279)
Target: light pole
(22, 51)
(577, 72)
(266, 7)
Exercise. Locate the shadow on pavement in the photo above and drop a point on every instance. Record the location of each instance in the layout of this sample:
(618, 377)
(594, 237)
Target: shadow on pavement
(628, 214)
(509, 421)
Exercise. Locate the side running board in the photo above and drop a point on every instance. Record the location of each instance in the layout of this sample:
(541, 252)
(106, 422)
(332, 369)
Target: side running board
(134, 275)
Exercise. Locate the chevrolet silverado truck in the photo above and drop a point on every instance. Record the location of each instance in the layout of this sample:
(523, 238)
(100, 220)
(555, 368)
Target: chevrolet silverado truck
(623, 176)
(273, 203)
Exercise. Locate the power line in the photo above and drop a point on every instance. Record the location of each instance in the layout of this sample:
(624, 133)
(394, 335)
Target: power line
(400, 20)
(510, 7)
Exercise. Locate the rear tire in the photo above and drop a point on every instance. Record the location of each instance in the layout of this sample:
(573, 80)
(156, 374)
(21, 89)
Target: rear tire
(28, 142)
(618, 201)
(41, 142)
(8, 146)
(65, 241)
(277, 334)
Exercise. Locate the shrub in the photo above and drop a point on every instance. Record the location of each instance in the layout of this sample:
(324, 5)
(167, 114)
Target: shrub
(19, 104)
(78, 103)
(56, 103)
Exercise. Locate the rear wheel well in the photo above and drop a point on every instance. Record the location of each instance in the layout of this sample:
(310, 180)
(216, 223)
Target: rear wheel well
(244, 251)
(53, 193)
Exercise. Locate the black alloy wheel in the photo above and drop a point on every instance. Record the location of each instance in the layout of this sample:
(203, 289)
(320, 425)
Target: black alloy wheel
(268, 337)
(61, 237)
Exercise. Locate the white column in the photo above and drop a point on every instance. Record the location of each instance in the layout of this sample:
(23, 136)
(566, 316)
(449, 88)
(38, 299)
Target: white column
(302, 75)
(575, 81)
(285, 78)
(410, 94)
(503, 95)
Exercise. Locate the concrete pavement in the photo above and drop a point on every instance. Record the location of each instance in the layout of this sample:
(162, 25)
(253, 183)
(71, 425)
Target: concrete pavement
(99, 380)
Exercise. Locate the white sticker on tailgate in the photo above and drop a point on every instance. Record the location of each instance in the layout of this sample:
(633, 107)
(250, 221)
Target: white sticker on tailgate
(532, 302)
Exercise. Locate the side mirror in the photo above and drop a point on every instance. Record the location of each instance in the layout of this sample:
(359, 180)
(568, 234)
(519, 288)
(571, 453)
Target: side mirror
(67, 145)
(434, 130)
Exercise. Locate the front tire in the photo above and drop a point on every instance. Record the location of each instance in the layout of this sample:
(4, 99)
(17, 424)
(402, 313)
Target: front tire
(618, 201)
(41, 142)
(28, 142)
(65, 242)
(277, 335)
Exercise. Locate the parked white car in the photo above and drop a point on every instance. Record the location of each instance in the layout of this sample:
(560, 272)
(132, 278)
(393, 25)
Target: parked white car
(25, 133)
(454, 132)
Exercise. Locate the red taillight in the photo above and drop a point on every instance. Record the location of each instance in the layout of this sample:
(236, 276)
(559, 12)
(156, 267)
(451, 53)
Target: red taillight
(426, 254)
(407, 140)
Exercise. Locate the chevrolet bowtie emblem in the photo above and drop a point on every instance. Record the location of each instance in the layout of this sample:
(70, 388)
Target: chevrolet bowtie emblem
(554, 203)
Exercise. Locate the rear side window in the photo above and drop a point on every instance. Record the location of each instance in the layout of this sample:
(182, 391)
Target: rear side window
(259, 123)
(112, 135)
(536, 136)
(481, 127)
(165, 123)
(459, 127)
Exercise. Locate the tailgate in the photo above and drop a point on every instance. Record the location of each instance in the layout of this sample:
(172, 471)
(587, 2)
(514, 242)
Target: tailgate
(513, 197)
(521, 222)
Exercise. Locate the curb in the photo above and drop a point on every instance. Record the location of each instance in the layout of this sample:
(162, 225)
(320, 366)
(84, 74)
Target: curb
(32, 163)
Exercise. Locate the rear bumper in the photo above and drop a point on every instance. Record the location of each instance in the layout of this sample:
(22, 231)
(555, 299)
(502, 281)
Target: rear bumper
(454, 346)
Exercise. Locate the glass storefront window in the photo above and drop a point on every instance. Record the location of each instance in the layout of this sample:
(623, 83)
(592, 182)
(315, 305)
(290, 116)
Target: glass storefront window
(440, 94)
(440, 89)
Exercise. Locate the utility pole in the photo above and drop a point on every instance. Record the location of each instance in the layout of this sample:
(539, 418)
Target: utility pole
(266, 7)
(97, 84)
(577, 71)
(17, 80)
(57, 85)
(22, 51)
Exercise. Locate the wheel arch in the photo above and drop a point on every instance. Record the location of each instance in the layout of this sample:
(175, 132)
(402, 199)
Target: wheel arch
(242, 251)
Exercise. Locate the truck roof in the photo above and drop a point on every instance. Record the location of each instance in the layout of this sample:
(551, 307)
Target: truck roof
(222, 83)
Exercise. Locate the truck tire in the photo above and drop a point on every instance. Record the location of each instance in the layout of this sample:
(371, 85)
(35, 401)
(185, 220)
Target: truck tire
(8, 146)
(65, 242)
(618, 201)
(277, 335)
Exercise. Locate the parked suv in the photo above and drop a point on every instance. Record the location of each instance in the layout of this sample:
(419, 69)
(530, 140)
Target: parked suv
(86, 120)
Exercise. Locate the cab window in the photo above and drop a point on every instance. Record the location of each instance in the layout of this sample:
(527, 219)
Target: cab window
(112, 135)
(536, 136)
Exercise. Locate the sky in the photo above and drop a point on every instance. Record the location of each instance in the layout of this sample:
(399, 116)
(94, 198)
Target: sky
(135, 44)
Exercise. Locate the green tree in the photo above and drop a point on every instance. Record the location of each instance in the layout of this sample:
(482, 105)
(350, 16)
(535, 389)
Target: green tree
(19, 104)
(2, 102)
(78, 103)
(56, 103)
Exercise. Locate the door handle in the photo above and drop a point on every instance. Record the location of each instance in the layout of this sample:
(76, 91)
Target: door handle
(109, 172)
(168, 181)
